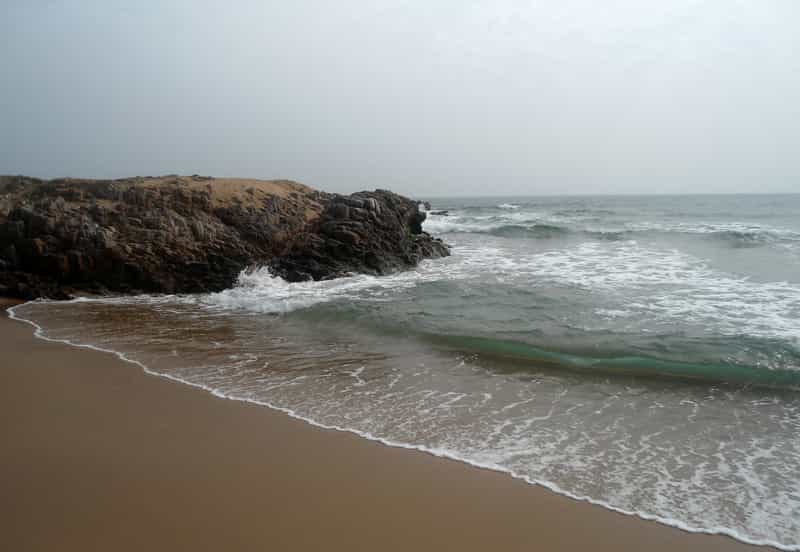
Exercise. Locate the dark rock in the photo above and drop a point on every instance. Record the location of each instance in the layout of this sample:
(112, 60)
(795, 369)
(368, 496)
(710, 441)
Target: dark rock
(9, 256)
(194, 234)
(415, 222)
(339, 211)
(369, 232)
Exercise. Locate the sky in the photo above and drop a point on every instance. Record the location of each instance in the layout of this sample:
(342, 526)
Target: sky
(448, 97)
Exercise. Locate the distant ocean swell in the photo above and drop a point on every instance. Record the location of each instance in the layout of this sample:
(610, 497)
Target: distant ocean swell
(515, 227)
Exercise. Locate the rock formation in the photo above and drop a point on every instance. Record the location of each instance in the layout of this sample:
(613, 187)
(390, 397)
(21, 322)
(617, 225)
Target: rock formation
(368, 232)
(195, 234)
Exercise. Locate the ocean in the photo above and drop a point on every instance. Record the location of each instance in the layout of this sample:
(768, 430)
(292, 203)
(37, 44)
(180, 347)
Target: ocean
(640, 353)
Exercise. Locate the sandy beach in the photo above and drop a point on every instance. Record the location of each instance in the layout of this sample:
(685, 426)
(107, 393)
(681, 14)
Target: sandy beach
(97, 455)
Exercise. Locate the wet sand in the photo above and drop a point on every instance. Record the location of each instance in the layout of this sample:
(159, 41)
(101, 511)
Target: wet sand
(97, 455)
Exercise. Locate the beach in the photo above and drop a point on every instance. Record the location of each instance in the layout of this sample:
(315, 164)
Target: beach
(98, 455)
(502, 276)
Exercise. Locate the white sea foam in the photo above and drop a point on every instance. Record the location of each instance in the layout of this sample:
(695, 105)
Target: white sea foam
(666, 284)
(458, 222)
(653, 287)
(260, 291)
(648, 285)
(446, 224)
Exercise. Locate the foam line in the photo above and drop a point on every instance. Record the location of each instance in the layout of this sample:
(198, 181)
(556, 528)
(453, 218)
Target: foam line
(39, 332)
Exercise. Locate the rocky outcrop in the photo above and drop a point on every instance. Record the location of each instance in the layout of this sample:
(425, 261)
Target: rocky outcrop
(368, 232)
(194, 234)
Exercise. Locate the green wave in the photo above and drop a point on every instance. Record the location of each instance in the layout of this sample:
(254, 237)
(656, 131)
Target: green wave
(542, 231)
(516, 356)
(628, 365)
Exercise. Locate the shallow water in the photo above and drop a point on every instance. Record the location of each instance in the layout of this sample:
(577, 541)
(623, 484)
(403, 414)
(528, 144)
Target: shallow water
(640, 353)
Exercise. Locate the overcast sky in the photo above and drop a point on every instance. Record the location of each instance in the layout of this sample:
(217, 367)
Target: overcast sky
(447, 97)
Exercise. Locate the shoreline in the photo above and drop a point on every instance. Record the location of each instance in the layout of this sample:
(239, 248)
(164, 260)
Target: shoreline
(337, 490)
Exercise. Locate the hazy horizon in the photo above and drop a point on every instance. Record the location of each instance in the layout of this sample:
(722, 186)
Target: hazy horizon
(473, 99)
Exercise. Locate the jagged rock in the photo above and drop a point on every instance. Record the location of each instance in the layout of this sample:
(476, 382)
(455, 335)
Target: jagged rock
(368, 232)
(194, 234)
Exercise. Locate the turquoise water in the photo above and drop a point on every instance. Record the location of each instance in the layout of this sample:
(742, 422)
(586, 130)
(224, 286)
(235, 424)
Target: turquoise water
(642, 353)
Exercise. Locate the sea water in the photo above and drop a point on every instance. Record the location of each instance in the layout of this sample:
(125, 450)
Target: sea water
(641, 353)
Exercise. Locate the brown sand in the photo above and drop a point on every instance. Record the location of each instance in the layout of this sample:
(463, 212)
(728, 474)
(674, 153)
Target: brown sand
(97, 455)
